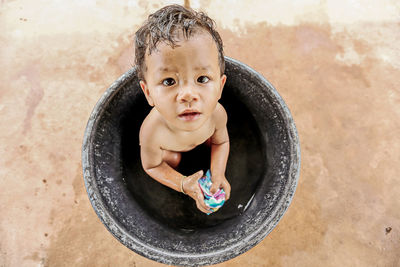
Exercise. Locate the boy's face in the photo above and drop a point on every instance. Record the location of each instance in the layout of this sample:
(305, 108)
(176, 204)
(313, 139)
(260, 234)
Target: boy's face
(184, 83)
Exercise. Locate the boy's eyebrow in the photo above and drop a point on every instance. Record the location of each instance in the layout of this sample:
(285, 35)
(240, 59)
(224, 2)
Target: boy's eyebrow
(166, 69)
(207, 67)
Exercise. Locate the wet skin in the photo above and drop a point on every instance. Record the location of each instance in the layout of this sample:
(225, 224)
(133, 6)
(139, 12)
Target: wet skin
(183, 85)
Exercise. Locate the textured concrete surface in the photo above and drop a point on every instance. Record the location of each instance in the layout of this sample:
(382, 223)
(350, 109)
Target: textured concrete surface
(336, 64)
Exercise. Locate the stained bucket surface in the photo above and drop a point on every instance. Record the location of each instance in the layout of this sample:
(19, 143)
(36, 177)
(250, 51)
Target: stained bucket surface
(164, 225)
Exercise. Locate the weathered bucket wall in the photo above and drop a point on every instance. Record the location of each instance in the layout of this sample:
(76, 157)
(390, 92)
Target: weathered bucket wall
(165, 225)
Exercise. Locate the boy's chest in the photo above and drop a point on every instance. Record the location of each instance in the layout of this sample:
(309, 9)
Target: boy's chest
(186, 142)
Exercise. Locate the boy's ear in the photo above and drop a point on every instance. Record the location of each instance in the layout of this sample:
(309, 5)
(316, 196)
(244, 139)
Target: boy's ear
(223, 80)
(146, 92)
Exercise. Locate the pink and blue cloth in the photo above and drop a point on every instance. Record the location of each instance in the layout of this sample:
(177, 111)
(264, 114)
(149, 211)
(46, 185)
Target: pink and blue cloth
(214, 201)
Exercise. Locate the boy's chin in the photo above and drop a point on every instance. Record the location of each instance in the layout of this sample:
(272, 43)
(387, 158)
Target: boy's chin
(189, 126)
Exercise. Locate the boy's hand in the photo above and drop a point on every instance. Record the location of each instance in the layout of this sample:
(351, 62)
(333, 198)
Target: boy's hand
(192, 189)
(220, 182)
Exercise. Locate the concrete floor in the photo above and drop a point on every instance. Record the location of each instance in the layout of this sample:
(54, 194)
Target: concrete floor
(336, 64)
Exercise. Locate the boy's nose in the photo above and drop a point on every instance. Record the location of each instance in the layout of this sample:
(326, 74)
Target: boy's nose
(187, 95)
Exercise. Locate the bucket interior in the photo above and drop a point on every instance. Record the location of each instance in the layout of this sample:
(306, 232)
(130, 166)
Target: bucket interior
(168, 223)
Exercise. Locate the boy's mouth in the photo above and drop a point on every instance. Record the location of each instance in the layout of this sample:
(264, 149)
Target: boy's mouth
(189, 115)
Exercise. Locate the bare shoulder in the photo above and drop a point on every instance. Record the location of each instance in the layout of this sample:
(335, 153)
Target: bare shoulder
(220, 117)
(150, 149)
(149, 129)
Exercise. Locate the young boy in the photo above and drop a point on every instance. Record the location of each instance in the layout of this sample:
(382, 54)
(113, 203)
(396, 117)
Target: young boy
(181, 65)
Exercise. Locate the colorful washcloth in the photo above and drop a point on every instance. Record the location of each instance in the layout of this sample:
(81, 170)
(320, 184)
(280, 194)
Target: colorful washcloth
(213, 201)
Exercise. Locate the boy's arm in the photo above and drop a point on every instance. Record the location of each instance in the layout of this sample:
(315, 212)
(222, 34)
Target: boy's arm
(155, 167)
(220, 152)
(151, 156)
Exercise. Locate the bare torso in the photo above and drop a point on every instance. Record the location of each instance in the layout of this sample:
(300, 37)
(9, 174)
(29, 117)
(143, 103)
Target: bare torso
(175, 140)
(186, 141)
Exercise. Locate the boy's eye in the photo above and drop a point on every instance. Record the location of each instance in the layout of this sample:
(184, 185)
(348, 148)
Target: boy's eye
(203, 79)
(168, 82)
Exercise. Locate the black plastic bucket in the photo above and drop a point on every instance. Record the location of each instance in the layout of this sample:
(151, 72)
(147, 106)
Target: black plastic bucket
(164, 225)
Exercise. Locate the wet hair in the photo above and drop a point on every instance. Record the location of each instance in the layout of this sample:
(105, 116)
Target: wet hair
(164, 26)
